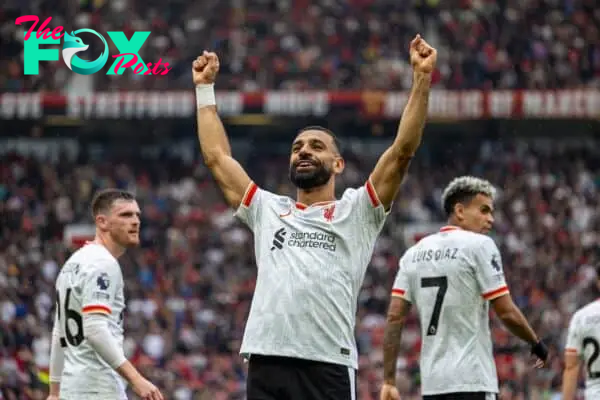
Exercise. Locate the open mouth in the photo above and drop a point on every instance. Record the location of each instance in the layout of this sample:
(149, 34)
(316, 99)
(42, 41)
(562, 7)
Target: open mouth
(305, 164)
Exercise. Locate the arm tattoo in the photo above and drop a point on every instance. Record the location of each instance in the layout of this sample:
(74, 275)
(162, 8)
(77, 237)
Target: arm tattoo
(391, 347)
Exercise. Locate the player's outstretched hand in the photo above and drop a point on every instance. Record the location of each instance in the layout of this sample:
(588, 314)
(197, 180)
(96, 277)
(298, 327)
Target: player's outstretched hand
(422, 56)
(146, 390)
(389, 392)
(52, 397)
(205, 68)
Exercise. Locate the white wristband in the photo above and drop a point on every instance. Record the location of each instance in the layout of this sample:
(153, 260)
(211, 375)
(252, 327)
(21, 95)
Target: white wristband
(205, 95)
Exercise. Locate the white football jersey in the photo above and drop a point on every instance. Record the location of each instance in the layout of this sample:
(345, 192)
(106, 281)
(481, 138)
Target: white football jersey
(450, 277)
(311, 264)
(583, 339)
(90, 281)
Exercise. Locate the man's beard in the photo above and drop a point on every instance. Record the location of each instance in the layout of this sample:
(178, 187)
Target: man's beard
(316, 177)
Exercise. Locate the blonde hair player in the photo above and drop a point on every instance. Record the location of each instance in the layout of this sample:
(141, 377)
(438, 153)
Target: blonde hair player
(452, 277)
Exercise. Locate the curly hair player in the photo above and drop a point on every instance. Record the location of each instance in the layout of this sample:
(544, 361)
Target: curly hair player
(452, 277)
(311, 252)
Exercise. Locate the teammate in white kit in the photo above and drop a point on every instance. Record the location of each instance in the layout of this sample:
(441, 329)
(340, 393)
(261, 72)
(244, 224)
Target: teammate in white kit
(87, 360)
(451, 277)
(583, 345)
(311, 253)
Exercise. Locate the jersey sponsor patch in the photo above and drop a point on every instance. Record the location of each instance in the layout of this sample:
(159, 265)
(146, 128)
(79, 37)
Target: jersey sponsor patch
(103, 281)
(278, 239)
(312, 240)
(328, 213)
(495, 263)
(101, 296)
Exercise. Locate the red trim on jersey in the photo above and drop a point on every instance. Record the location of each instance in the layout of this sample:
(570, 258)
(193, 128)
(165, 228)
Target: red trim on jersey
(301, 206)
(250, 192)
(571, 351)
(495, 293)
(372, 193)
(449, 228)
(398, 292)
(97, 308)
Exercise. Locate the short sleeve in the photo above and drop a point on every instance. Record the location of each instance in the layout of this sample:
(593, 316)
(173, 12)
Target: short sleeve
(489, 271)
(250, 208)
(372, 211)
(573, 345)
(401, 286)
(101, 283)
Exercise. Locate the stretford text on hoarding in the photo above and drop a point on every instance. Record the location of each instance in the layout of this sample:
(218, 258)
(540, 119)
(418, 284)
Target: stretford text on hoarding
(443, 105)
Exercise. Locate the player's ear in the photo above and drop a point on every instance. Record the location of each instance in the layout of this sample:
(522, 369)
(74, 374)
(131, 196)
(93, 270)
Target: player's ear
(338, 165)
(459, 211)
(101, 221)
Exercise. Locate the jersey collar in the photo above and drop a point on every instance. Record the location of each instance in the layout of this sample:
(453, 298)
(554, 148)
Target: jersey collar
(302, 206)
(448, 228)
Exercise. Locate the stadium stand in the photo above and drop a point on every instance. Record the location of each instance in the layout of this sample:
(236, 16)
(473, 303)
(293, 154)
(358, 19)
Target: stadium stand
(327, 44)
(190, 284)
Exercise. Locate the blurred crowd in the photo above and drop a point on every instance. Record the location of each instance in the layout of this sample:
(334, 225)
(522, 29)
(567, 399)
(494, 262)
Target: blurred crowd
(323, 44)
(189, 285)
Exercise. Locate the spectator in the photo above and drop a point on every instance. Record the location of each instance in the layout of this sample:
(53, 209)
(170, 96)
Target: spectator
(190, 284)
(325, 44)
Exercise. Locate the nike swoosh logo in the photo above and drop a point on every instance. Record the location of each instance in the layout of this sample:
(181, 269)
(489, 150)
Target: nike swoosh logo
(285, 215)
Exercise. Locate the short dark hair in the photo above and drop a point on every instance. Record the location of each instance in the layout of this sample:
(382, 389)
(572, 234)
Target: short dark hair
(463, 189)
(104, 199)
(320, 128)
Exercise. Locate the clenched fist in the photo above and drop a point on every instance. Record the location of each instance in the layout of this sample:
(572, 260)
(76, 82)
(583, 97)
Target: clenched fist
(205, 68)
(389, 392)
(422, 56)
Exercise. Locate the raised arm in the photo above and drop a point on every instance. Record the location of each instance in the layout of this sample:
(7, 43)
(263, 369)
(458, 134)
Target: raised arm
(393, 164)
(229, 174)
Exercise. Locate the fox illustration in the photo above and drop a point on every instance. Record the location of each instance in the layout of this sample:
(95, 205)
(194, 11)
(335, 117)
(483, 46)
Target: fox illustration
(71, 46)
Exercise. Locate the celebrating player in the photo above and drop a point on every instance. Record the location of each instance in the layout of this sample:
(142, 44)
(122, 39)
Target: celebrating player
(451, 277)
(87, 356)
(312, 252)
(583, 344)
